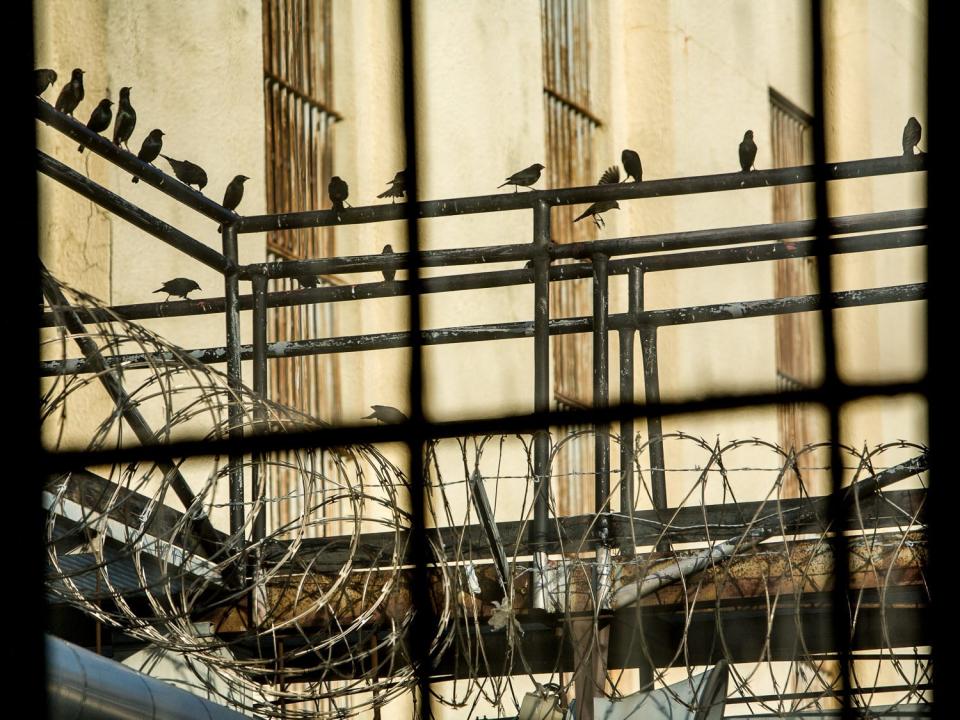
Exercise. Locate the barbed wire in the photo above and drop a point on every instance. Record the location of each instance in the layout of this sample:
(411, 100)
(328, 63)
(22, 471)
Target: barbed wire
(310, 620)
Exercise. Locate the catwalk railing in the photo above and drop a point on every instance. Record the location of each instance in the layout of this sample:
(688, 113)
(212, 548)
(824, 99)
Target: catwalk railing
(635, 257)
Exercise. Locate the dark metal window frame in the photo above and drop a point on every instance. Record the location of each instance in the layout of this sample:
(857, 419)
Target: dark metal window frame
(832, 394)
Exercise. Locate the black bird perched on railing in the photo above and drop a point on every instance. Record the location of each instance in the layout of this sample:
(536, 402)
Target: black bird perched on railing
(526, 177)
(99, 119)
(187, 172)
(307, 281)
(338, 192)
(911, 136)
(178, 287)
(71, 94)
(386, 414)
(150, 149)
(397, 187)
(631, 165)
(233, 195)
(748, 151)
(388, 275)
(44, 78)
(126, 119)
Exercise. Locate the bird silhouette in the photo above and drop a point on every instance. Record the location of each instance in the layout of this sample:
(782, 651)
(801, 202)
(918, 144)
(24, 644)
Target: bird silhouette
(307, 281)
(99, 119)
(631, 165)
(610, 175)
(526, 177)
(748, 151)
(178, 287)
(44, 78)
(338, 191)
(386, 414)
(126, 119)
(911, 136)
(71, 94)
(388, 275)
(150, 149)
(397, 187)
(595, 210)
(187, 172)
(233, 195)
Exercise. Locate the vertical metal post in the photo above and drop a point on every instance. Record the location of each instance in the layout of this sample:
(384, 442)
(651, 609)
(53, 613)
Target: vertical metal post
(235, 414)
(601, 399)
(627, 497)
(651, 386)
(541, 399)
(260, 388)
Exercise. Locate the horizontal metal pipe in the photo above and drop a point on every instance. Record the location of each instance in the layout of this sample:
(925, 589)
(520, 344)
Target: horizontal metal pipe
(504, 278)
(512, 330)
(613, 247)
(125, 160)
(131, 213)
(568, 196)
(328, 437)
(82, 684)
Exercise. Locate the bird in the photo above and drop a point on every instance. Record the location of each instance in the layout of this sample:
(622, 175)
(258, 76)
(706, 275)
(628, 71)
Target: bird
(178, 287)
(601, 206)
(150, 148)
(99, 119)
(748, 151)
(397, 187)
(526, 177)
(631, 165)
(126, 119)
(187, 172)
(233, 195)
(71, 94)
(307, 281)
(911, 136)
(610, 175)
(338, 192)
(388, 275)
(44, 78)
(386, 414)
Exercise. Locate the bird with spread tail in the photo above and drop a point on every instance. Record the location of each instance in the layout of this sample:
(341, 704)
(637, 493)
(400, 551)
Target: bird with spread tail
(748, 151)
(397, 187)
(386, 414)
(126, 119)
(631, 165)
(911, 136)
(44, 78)
(178, 287)
(71, 94)
(610, 175)
(150, 149)
(187, 172)
(99, 119)
(526, 177)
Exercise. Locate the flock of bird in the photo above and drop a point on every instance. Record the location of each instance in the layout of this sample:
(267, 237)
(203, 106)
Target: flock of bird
(72, 93)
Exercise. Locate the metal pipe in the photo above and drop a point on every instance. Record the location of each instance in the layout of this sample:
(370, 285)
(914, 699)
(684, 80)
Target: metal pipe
(126, 160)
(131, 213)
(689, 239)
(541, 398)
(235, 380)
(627, 379)
(592, 193)
(601, 399)
(260, 387)
(500, 278)
(481, 503)
(82, 684)
(512, 330)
